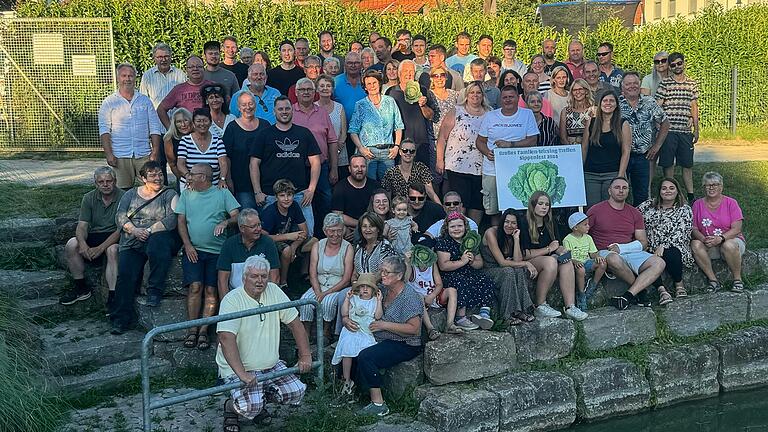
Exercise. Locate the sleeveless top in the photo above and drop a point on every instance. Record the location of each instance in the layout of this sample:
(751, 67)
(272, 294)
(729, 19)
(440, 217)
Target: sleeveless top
(605, 158)
(443, 107)
(558, 104)
(336, 122)
(422, 281)
(461, 155)
(330, 269)
(575, 123)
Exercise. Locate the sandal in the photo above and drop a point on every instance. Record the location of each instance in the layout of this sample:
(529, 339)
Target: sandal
(714, 286)
(524, 317)
(664, 297)
(202, 342)
(514, 321)
(434, 334)
(191, 340)
(680, 291)
(452, 329)
(738, 286)
(231, 420)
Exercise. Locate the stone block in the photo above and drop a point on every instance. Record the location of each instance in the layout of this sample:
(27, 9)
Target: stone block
(29, 285)
(110, 375)
(704, 313)
(49, 307)
(181, 357)
(762, 257)
(758, 303)
(171, 310)
(544, 339)
(24, 229)
(386, 427)
(460, 409)
(534, 401)
(743, 359)
(608, 327)
(64, 229)
(696, 282)
(683, 373)
(400, 380)
(87, 343)
(474, 355)
(609, 387)
(438, 318)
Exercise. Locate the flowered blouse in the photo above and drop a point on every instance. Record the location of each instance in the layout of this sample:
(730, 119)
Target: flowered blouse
(669, 227)
(375, 125)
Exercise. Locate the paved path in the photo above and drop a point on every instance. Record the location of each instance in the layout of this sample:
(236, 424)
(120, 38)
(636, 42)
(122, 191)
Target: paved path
(41, 172)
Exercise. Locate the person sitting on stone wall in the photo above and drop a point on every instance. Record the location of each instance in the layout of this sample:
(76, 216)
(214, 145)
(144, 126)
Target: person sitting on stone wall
(248, 347)
(95, 237)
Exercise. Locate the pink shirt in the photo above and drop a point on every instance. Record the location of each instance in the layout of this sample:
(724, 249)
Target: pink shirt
(546, 106)
(716, 222)
(184, 95)
(613, 226)
(577, 71)
(319, 123)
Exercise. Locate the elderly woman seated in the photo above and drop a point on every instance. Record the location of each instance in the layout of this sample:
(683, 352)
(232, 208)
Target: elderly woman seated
(717, 221)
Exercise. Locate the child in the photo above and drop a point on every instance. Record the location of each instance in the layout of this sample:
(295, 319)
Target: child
(584, 257)
(362, 308)
(424, 277)
(285, 224)
(401, 225)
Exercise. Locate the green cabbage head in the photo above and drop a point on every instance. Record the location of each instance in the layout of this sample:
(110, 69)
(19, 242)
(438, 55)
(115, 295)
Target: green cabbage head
(471, 242)
(412, 92)
(537, 176)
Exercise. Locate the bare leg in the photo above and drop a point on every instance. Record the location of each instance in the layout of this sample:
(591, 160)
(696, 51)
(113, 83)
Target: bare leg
(476, 215)
(669, 172)
(286, 256)
(651, 269)
(495, 219)
(730, 252)
(547, 269)
(565, 277)
(427, 320)
(346, 368)
(452, 302)
(209, 308)
(599, 272)
(580, 275)
(75, 261)
(111, 270)
(620, 268)
(701, 256)
(193, 301)
(376, 396)
(688, 179)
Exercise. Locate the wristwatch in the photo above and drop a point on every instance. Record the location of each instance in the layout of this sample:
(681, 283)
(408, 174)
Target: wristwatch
(149, 230)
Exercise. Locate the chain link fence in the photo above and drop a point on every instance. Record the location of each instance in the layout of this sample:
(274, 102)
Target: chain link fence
(54, 73)
(732, 99)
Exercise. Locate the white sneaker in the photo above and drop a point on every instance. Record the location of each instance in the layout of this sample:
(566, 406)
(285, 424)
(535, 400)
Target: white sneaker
(465, 324)
(483, 322)
(575, 313)
(545, 311)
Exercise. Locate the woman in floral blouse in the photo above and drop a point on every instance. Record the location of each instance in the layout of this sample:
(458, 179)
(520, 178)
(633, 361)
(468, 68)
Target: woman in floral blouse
(668, 222)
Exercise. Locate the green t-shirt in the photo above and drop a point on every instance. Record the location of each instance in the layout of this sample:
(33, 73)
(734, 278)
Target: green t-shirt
(203, 211)
(233, 255)
(580, 247)
(100, 219)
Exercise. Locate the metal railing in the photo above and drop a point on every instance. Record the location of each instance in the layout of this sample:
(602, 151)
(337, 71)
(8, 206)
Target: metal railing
(149, 405)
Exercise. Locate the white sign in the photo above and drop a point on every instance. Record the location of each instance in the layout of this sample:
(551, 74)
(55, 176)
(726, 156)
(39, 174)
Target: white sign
(557, 170)
(48, 48)
(83, 65)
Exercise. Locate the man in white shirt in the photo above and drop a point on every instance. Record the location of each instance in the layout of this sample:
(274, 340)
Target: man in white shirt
(158, 80)
(451, 203)
(508, 126)
(127, 123)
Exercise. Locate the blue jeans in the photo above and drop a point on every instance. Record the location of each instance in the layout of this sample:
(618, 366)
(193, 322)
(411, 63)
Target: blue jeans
(639, 173)
(246, 199)
(306, 211)
(377, 168)
(321, 203)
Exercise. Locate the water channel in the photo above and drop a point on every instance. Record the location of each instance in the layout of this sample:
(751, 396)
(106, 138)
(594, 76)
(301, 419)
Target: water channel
(730, 412)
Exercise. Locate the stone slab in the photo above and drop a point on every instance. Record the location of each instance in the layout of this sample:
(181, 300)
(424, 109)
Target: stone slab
(33, 284)
(609, 387)
(758, 303)
(683, 373)
(386, 427)
(608, 327)
(460, 409)
(544, 339)
(24, 229)
(400, 380)
(696, 282)
(743, 359)
(87, 342)
(473, 355)
(534, 401)
(171, 310)
(47, 307)
(705, 313)
(111, 375)
(180, 357)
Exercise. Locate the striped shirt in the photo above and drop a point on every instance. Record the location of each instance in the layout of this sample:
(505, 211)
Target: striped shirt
(676, 98)
(549, 133)
(189, 150)
(156, 85)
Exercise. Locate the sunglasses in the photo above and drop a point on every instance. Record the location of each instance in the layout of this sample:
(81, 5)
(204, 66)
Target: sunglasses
(438, 75)
(417, 199)
(660, 61)
(676, 64)
(408, 151)
(452, 203)
(263, 105)
(603, 54)
(209, 89)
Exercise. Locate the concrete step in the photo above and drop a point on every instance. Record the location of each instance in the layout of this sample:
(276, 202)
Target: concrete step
(33, 284)
(86, 344)
(50, 308)
(23, 229)
(110, 375)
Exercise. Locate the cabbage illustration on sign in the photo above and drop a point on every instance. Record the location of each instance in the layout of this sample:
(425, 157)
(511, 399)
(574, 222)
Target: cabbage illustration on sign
(537, 176)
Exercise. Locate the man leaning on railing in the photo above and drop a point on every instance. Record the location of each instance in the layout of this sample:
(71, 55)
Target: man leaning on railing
(249, 347)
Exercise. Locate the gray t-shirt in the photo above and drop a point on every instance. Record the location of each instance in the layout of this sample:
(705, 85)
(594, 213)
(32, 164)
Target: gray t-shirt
(227, 79)
(405, 306)
(158, 210)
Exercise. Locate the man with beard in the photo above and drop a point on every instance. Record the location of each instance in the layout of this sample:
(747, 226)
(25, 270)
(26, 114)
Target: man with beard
(263, 94)
(327, 45)
(213, 70)
(548, 48)
(351, 195)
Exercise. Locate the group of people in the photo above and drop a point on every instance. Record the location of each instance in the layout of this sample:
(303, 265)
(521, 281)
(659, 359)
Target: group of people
(372, 174)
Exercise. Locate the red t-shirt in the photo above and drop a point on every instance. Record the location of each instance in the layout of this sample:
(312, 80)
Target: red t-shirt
(609, 225)
(185, 95)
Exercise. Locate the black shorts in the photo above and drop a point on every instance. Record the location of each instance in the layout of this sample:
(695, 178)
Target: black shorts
(469, 187)
(678, 147)
(96, 239)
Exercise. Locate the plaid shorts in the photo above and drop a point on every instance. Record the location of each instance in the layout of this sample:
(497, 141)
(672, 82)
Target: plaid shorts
(287, 389)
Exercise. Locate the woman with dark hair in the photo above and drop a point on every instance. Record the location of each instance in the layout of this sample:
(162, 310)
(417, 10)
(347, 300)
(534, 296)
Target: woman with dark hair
(503, 259)
(399, 178)
(262, 58)
(214, 99)
(201, 146)
(390, 75)
(379, 204)
(668, 222)
(511, 78)
(541, 248)
(605, 147)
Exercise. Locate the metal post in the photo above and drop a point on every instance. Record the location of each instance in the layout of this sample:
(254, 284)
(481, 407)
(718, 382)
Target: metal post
(734, 97)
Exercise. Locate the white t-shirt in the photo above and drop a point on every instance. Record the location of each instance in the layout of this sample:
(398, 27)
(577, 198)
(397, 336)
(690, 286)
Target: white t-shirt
(496, 126)
(434, 230)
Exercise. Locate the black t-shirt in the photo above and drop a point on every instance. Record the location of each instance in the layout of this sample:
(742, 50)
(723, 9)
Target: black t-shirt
(274, 222)
(417, 127)
(284, 155)
(351, 201)
(240, 70)
(397, 55)
(607, 157)
(239, 144)
(525, 236)
(282, 79)
(428, 215)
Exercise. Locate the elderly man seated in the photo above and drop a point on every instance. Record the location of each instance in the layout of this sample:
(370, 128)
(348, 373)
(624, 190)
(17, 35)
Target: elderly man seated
(248, 347)
(95, 237)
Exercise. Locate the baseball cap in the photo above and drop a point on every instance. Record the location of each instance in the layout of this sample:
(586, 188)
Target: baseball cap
(576, 219)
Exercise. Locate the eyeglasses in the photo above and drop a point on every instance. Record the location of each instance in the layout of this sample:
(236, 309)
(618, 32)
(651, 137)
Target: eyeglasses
(408, 151)
(660, 61)
(416, 199)
(254, 226)
(603, 54)
(452, 203)
(438, 75)
(676, 64)
(212, 89)
(304, 90)
(712, 185)
(261, 316)
(387, 272)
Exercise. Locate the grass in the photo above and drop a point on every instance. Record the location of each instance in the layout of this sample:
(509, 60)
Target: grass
(744, 132)
(43, 201)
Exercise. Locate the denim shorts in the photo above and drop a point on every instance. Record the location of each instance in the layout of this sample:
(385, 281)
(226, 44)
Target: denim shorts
(204, 270)
(633, 260)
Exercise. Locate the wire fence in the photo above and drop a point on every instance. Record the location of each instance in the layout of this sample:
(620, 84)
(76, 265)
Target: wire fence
(54, 73)
(732, 99)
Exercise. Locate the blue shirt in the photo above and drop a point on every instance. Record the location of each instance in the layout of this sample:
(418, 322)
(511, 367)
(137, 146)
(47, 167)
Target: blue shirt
(347, 95)
(458, 63)
(614, 79)
(376, 126)
(265, 105)
(274, 222)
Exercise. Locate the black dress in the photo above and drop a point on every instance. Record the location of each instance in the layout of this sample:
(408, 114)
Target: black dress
(474, 288)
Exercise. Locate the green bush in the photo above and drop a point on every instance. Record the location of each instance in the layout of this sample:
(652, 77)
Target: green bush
(713, 42)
